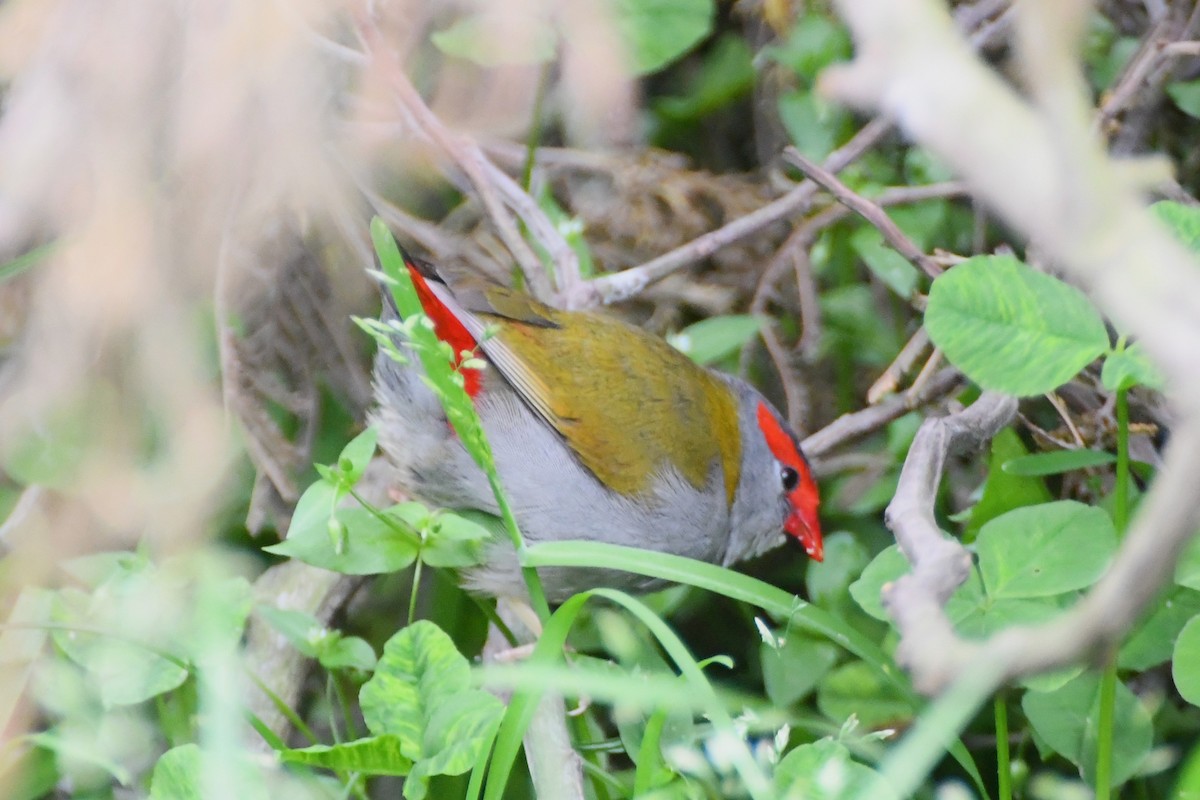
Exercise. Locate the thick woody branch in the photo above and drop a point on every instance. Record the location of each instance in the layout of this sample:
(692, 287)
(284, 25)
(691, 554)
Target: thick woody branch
(1036, 164)
(940, 564)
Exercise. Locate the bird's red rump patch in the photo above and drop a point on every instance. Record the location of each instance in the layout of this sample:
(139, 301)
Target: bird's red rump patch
(448, 328)
(802, 522)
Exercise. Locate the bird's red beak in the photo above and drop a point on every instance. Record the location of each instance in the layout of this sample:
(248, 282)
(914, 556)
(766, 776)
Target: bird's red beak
(804, 525)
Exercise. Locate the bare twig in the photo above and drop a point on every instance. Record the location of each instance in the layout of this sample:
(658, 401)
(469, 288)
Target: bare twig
(886, 383)
(1181, 49)
(849, 427)
(623, 285)
(868, 209)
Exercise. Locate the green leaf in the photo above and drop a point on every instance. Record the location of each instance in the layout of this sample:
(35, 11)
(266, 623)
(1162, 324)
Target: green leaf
(374, 755)
(1045, 550)
(889, 266)
(1186, 95)
(347, 652)
(177, 775)
(812, 123)
(1066, 720)
(1185, 664)
(421, 693)
(1153, 640)
(824, 770)
(372, 545)
(1002, 491)
(815, 42)
(1012, 329)
(494, 36)
(454, 541)
(726, 74)
(659, 31)
(356, 455)
(715, 338)
(856, 689)
(794, 669)
(1056, 462)
(1183, 221)
(1187, 570)
(828, 581)
(886, 567)
(1130, 367)
(306, 633)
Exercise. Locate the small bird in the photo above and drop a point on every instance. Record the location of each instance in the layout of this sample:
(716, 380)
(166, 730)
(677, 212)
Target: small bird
(600, 432)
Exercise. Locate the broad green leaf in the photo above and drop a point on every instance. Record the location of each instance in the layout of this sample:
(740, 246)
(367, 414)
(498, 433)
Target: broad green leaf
(421, 693)
(824, 770)
(715, 338)
(659, 31)
(458, 729)
(126, 673)
(420, 668)
(1187, 571)
(1130, 367)
(1186, 95)
(356, 455)
(1185, 663)
(374, 755)
(496, 36)
(886, 567)
(1037, 551)
(887, 265)
(1056, 462)
(187, 773)
(301, 629)
(1153, 640)
(310, 637)
(726, 74)
(1066, 720)
(828, 581)
(1012, 329)
(794, 669)
(1187, 785)
(178, 775)
(1184, 221)
(372, 546)
(856, 689)
(1003, 492)
(812, 123)
(815, 42)
(347, 652)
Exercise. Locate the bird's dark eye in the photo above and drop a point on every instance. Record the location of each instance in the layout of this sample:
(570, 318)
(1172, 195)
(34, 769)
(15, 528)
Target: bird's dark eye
(790, 478)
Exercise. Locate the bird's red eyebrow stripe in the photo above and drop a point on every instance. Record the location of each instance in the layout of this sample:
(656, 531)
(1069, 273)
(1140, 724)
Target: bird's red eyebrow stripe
(783, 447)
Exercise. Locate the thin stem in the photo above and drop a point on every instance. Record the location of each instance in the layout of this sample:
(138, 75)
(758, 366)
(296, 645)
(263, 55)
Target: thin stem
(416, 585)
(1104, 745)
(1003, 759)
(1121, 492)
(1108, 681)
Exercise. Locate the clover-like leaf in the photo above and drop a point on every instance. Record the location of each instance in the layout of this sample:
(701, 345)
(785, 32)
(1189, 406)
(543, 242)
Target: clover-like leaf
(1044, 550)
(1013, 329)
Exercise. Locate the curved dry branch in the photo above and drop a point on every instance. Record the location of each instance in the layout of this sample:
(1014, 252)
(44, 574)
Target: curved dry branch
(1036, 164)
